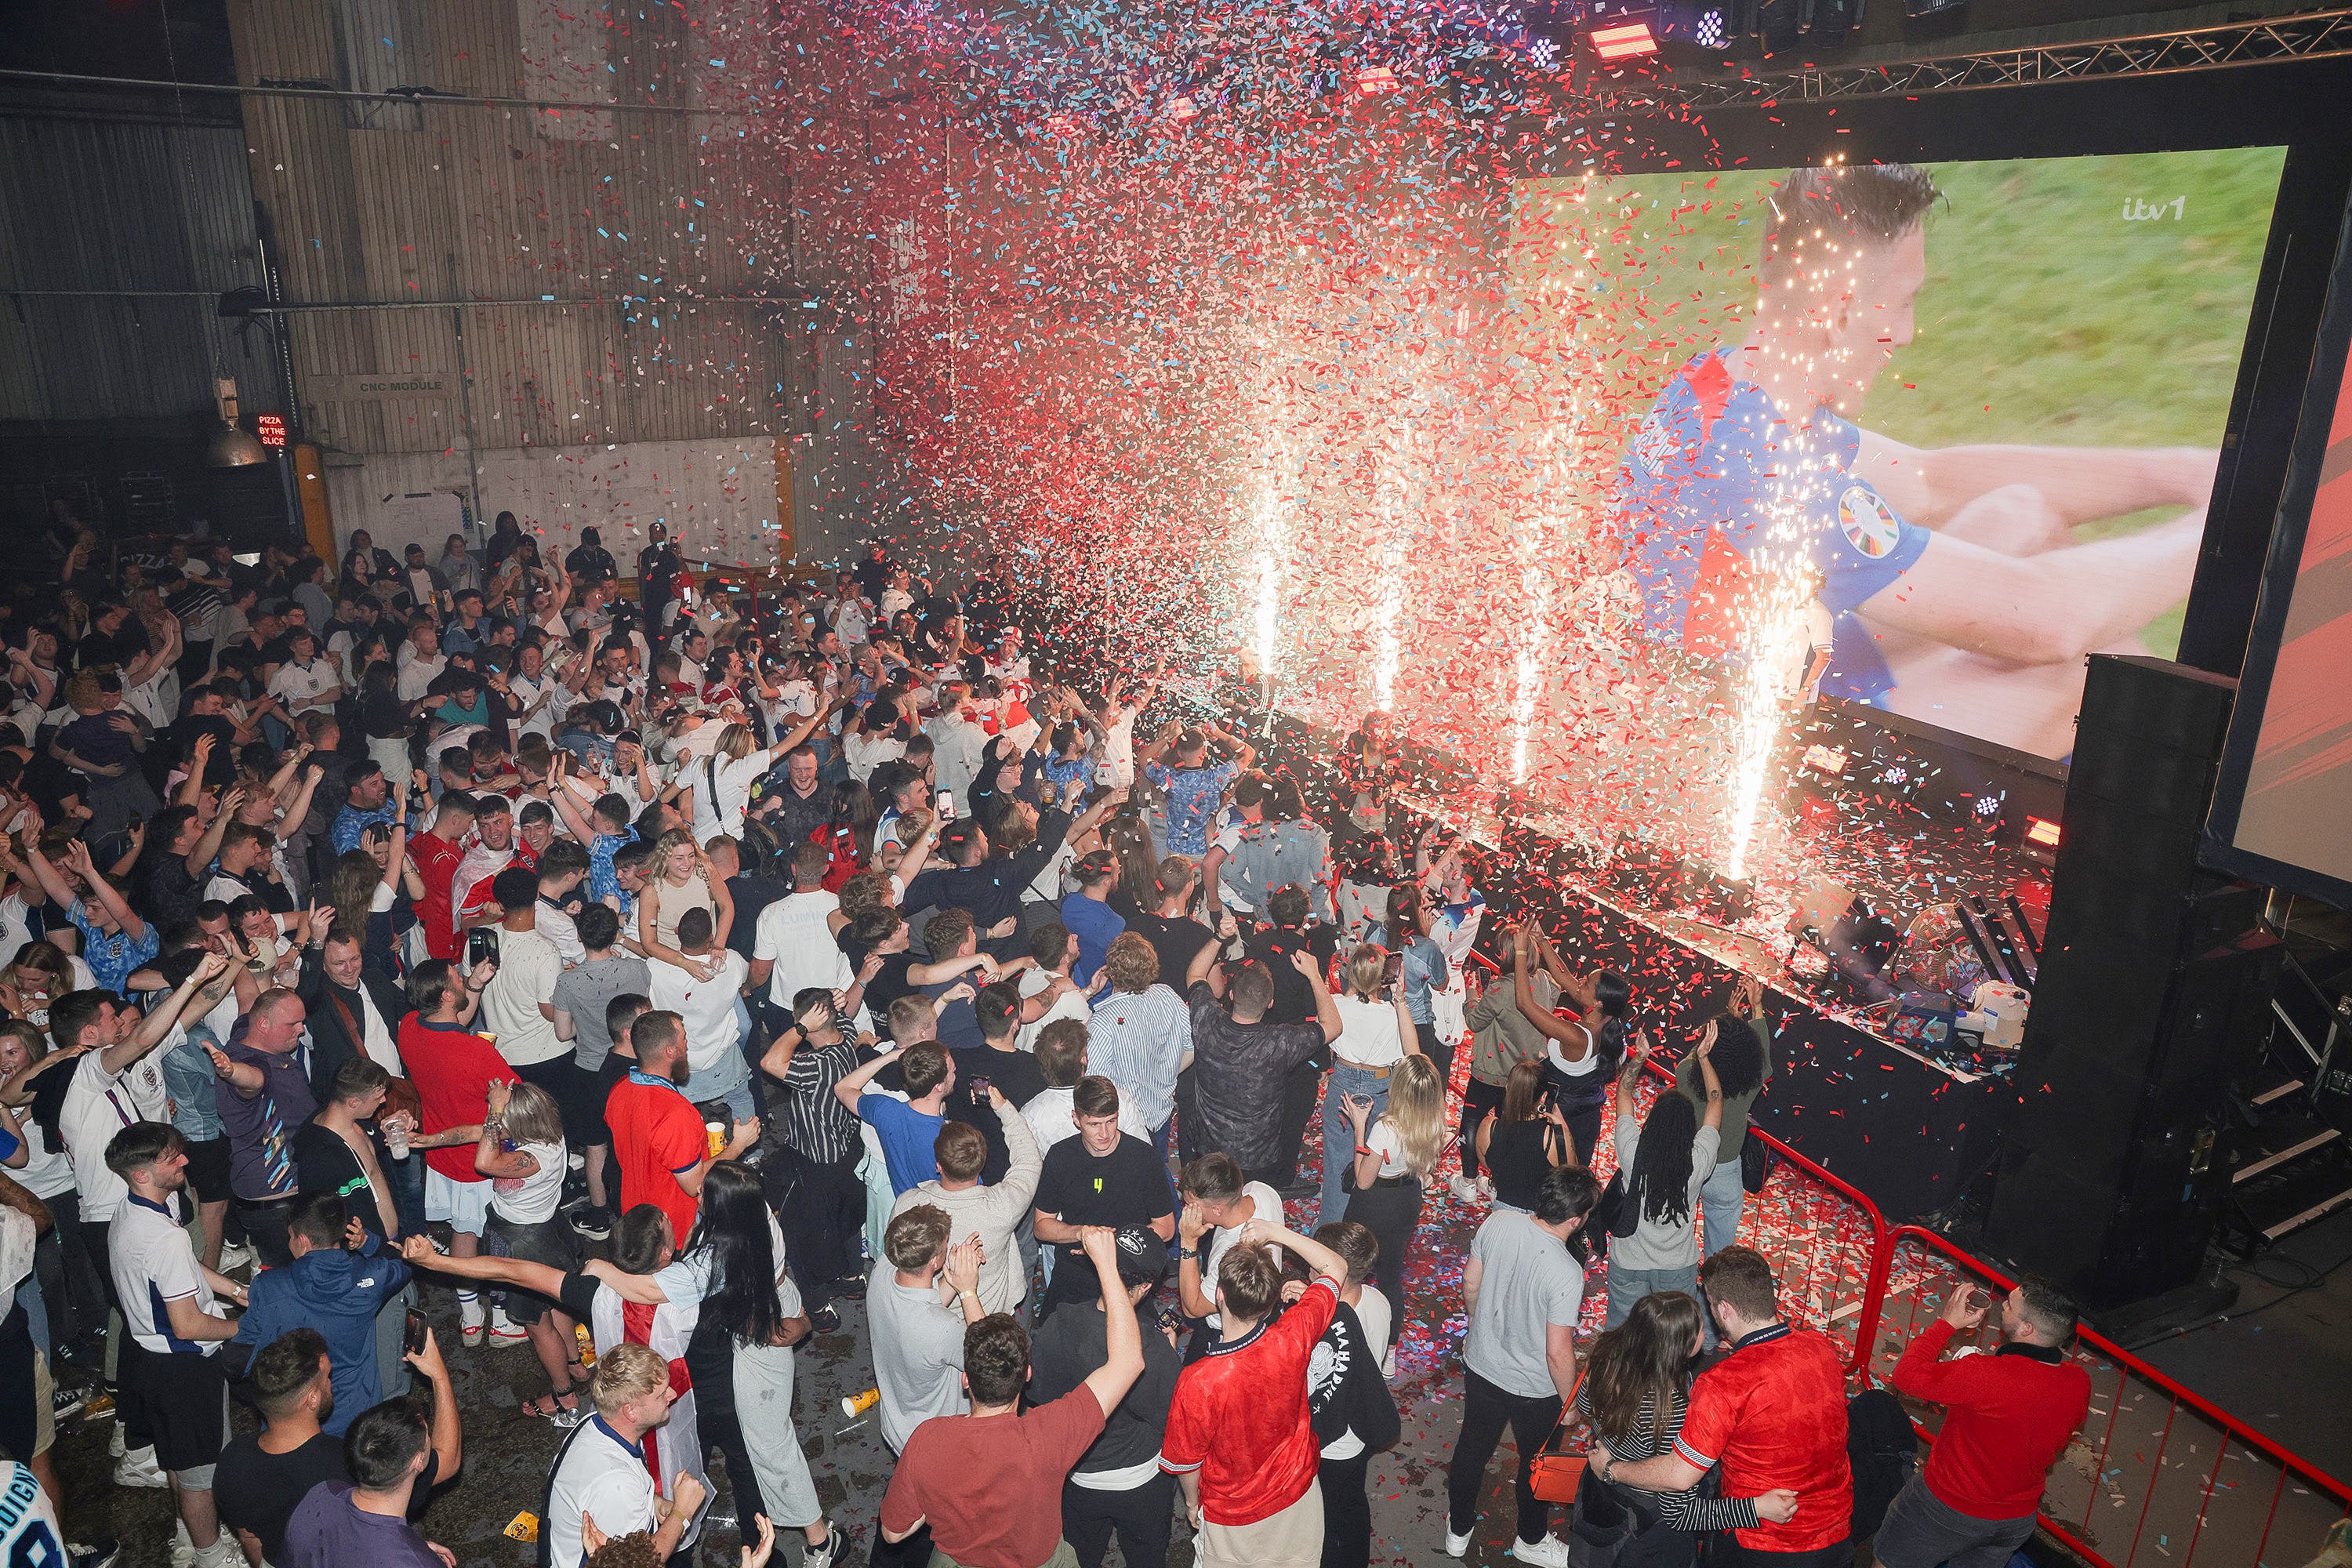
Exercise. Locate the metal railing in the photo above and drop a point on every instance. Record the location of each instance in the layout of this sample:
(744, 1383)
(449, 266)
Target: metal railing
(2157, 1475)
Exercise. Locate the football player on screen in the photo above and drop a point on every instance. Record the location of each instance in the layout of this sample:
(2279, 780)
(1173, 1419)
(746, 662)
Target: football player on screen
(1956, 590)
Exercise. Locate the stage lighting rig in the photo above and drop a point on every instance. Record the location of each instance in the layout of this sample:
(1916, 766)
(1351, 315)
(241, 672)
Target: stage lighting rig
(1623, 41)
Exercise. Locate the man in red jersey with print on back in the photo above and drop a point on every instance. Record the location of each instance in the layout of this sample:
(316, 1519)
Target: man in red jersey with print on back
(1239, 1440)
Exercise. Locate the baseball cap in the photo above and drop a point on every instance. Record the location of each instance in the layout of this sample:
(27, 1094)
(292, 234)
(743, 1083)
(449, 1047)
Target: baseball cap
(1142, 1255)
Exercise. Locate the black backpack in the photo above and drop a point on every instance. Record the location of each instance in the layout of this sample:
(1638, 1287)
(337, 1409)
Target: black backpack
(1883, 1450)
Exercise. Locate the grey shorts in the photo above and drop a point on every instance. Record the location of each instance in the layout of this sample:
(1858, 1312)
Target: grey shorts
(1920, 1532)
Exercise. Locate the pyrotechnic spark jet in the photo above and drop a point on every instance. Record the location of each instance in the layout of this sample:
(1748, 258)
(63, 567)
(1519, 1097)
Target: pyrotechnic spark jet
(1535, 638)
(1273, 540)
(1777, 638)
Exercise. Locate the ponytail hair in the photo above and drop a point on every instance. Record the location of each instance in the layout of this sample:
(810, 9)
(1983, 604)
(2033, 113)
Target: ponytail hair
(1613, 994)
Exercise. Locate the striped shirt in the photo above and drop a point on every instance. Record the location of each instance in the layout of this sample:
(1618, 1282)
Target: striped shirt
(1138, 1040)
(1686, 1511)
(815, 1124)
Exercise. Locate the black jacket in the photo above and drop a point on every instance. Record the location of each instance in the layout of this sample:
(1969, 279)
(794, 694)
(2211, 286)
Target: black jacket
(331, 1043)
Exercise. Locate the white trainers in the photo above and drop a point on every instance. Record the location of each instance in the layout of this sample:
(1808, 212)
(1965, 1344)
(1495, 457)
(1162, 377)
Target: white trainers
(114, 1443)
(1551, 1551)
(235, 1255)
(224, 1552)
(137, 1468)
(1455, 1545)
(505, 1330)
(472, 1320)
(1463, 1189)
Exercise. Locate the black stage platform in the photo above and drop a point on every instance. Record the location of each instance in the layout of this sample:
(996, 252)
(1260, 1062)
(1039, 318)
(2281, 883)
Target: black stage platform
(1910, 1132)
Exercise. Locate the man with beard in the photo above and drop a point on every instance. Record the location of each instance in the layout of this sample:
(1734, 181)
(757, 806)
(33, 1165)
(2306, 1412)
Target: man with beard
(658, 1140)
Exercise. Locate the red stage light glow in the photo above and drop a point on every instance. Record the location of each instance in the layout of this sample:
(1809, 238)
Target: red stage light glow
(2039, 830)
(1623, 42)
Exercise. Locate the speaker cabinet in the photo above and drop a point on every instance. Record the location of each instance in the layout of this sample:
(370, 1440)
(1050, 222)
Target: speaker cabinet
(2152, 1000)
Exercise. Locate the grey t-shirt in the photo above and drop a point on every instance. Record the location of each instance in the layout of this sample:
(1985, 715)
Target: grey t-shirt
(586, 990)
(1527, 1280)
(918, 1354)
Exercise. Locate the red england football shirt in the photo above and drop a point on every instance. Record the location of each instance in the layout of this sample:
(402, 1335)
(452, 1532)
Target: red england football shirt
(436, 861)
(1239, 1417)
(1774, 1412)
(452, 1068)
(657, 1134)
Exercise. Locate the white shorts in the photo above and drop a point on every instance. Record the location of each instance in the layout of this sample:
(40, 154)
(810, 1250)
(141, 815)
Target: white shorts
(464, 1204)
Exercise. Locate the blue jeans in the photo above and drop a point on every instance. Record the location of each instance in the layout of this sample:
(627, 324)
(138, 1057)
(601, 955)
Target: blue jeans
(1627, 1286)
(1722, 1198)
(1340, 1133)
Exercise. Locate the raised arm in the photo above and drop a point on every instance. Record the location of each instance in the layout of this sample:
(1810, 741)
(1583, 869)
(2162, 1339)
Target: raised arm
(1327, 1011)
(853, 1084)
(1123, 1348)
(1704, 1052)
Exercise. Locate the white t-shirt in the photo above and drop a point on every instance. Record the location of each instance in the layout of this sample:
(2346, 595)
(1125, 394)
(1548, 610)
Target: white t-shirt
(864, 752)
(46, 1172)
(1068, 1005)
(560, 928)
(154, 1260)
(99, 1104)
(16, 932)
(1118, 763)
(1368, 1033)
(708, 1007)
(720, 810)
(597, 1474)
(417, 674)
(1267, 1207)
(1050, 1119)
(29, 1530)
(1385, 1141)
(528, 967)
(375, 1037)
(300, 684)
(527, 1200)
(527, 691)
(792, 935)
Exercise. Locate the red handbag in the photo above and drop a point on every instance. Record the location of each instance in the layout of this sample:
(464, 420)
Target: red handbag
(1559, 1470)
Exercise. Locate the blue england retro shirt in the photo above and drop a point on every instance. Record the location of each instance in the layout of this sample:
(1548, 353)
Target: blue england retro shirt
(1696, 493)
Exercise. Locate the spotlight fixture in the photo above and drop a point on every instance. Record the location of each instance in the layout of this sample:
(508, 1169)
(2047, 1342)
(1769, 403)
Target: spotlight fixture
(1374, 79)
(1629, 40)
(1182, 107)
(2043, 831)
(1826, 761)
(232, 447)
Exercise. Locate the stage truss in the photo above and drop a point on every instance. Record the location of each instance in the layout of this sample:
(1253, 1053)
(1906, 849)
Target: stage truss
(2314, 35)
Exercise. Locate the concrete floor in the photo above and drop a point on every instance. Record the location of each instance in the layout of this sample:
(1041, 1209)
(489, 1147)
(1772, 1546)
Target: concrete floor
(507, 1453)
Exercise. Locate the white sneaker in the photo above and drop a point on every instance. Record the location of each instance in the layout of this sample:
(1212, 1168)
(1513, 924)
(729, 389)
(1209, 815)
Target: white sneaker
(505, 1330)
(114, 1443)
(472, 1321)
(233, 1256)
(1551, 1551)
(224, 1552)
(1463, 1189)
(1455, 1545)
(137, 1468)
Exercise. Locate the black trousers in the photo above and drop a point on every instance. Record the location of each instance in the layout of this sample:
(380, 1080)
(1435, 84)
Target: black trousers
(1347, 1512)
(1724, 1551)
(77, 1282)
(1144, 1517)
(1390, 1210)
(1302, 1089)
(710, 1361)
(1486, 1410)
(1477, 1100)
(821, 1205)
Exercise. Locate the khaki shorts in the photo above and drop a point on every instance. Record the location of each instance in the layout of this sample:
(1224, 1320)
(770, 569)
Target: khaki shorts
(1291, 1539)
(45, 1414)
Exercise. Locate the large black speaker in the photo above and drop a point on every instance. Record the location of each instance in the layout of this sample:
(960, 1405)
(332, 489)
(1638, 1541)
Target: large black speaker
(2152, 1000)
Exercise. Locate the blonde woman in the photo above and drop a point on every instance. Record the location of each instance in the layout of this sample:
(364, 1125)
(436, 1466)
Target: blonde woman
(681, 880)
(1376, 1034)
(1394, 1161)
(521, 1151)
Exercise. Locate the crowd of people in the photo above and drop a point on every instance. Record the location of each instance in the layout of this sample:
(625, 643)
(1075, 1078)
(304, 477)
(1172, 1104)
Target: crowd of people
(647, 972)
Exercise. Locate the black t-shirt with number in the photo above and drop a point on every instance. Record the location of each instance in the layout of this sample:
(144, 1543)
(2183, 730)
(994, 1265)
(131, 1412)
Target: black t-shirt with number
(1126, 1186)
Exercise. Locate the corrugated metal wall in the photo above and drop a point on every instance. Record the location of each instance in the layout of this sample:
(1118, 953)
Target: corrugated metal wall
(162, 213)
(530, 208)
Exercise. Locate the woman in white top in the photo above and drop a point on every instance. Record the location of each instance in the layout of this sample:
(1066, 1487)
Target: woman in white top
(721, 783)
(522, 1153)
(1393, 1163)
(1374, 1036)
(681, 880)
(1663, 1161)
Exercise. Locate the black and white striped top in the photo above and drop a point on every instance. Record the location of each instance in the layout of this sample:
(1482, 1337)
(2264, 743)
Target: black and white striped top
(1686, 1511)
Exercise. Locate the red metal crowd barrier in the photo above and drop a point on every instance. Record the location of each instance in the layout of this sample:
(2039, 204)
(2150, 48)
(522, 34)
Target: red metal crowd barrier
(2157, 1475)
